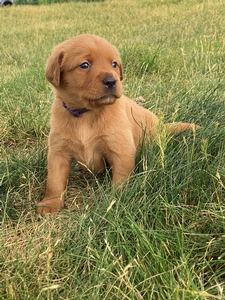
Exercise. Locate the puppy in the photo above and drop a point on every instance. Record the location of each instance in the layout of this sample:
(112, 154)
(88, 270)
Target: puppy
(91, 120)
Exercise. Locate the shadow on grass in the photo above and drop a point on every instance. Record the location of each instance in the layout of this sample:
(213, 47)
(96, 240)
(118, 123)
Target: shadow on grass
(39, 2)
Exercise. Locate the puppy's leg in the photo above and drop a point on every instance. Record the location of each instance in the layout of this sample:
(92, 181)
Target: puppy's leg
(58, 173)
(122, 167)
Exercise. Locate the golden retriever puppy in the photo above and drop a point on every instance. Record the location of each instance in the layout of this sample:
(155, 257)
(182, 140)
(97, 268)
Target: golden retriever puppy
(91, 120)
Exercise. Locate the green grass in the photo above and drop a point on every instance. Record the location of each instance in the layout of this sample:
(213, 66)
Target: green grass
(162, 237)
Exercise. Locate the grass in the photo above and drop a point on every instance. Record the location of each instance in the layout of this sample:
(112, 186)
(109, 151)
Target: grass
(162, 237)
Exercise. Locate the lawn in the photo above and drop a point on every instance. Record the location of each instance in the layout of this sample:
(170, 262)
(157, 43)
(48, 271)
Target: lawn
(163, 235)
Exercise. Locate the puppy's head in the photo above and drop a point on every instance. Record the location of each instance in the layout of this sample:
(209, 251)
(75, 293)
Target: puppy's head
(86, 71)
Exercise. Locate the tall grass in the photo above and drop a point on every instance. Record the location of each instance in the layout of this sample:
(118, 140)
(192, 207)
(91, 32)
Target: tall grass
(163, 236)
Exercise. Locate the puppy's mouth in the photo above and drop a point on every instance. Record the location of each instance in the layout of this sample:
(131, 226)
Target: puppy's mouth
(104, 100)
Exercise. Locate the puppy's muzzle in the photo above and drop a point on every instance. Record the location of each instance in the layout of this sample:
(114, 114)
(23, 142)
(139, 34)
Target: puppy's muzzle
(109, 82)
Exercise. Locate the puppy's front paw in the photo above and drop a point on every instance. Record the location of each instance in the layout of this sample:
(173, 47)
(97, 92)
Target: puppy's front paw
(49, 206)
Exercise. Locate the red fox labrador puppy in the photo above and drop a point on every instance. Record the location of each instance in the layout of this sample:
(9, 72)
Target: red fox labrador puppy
(91, 120)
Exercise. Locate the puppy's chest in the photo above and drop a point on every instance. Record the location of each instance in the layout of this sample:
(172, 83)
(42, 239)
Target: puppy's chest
(88, 146)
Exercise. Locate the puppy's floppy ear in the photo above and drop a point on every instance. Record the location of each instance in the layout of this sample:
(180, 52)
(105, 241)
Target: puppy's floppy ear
(53, 68)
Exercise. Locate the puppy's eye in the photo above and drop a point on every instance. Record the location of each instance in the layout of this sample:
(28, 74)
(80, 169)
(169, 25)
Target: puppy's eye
(114, 64)
(85, 65)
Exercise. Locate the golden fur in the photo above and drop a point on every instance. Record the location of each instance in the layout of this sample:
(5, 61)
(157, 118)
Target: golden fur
(86, 72)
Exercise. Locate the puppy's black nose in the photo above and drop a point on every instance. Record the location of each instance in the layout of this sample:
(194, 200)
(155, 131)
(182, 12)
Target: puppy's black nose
(109, 82)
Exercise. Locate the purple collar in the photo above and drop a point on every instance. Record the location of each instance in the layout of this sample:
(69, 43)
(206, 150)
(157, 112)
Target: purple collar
(75, 112)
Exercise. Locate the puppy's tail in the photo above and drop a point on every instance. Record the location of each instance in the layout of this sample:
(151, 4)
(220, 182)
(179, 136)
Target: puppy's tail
(175, 128)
